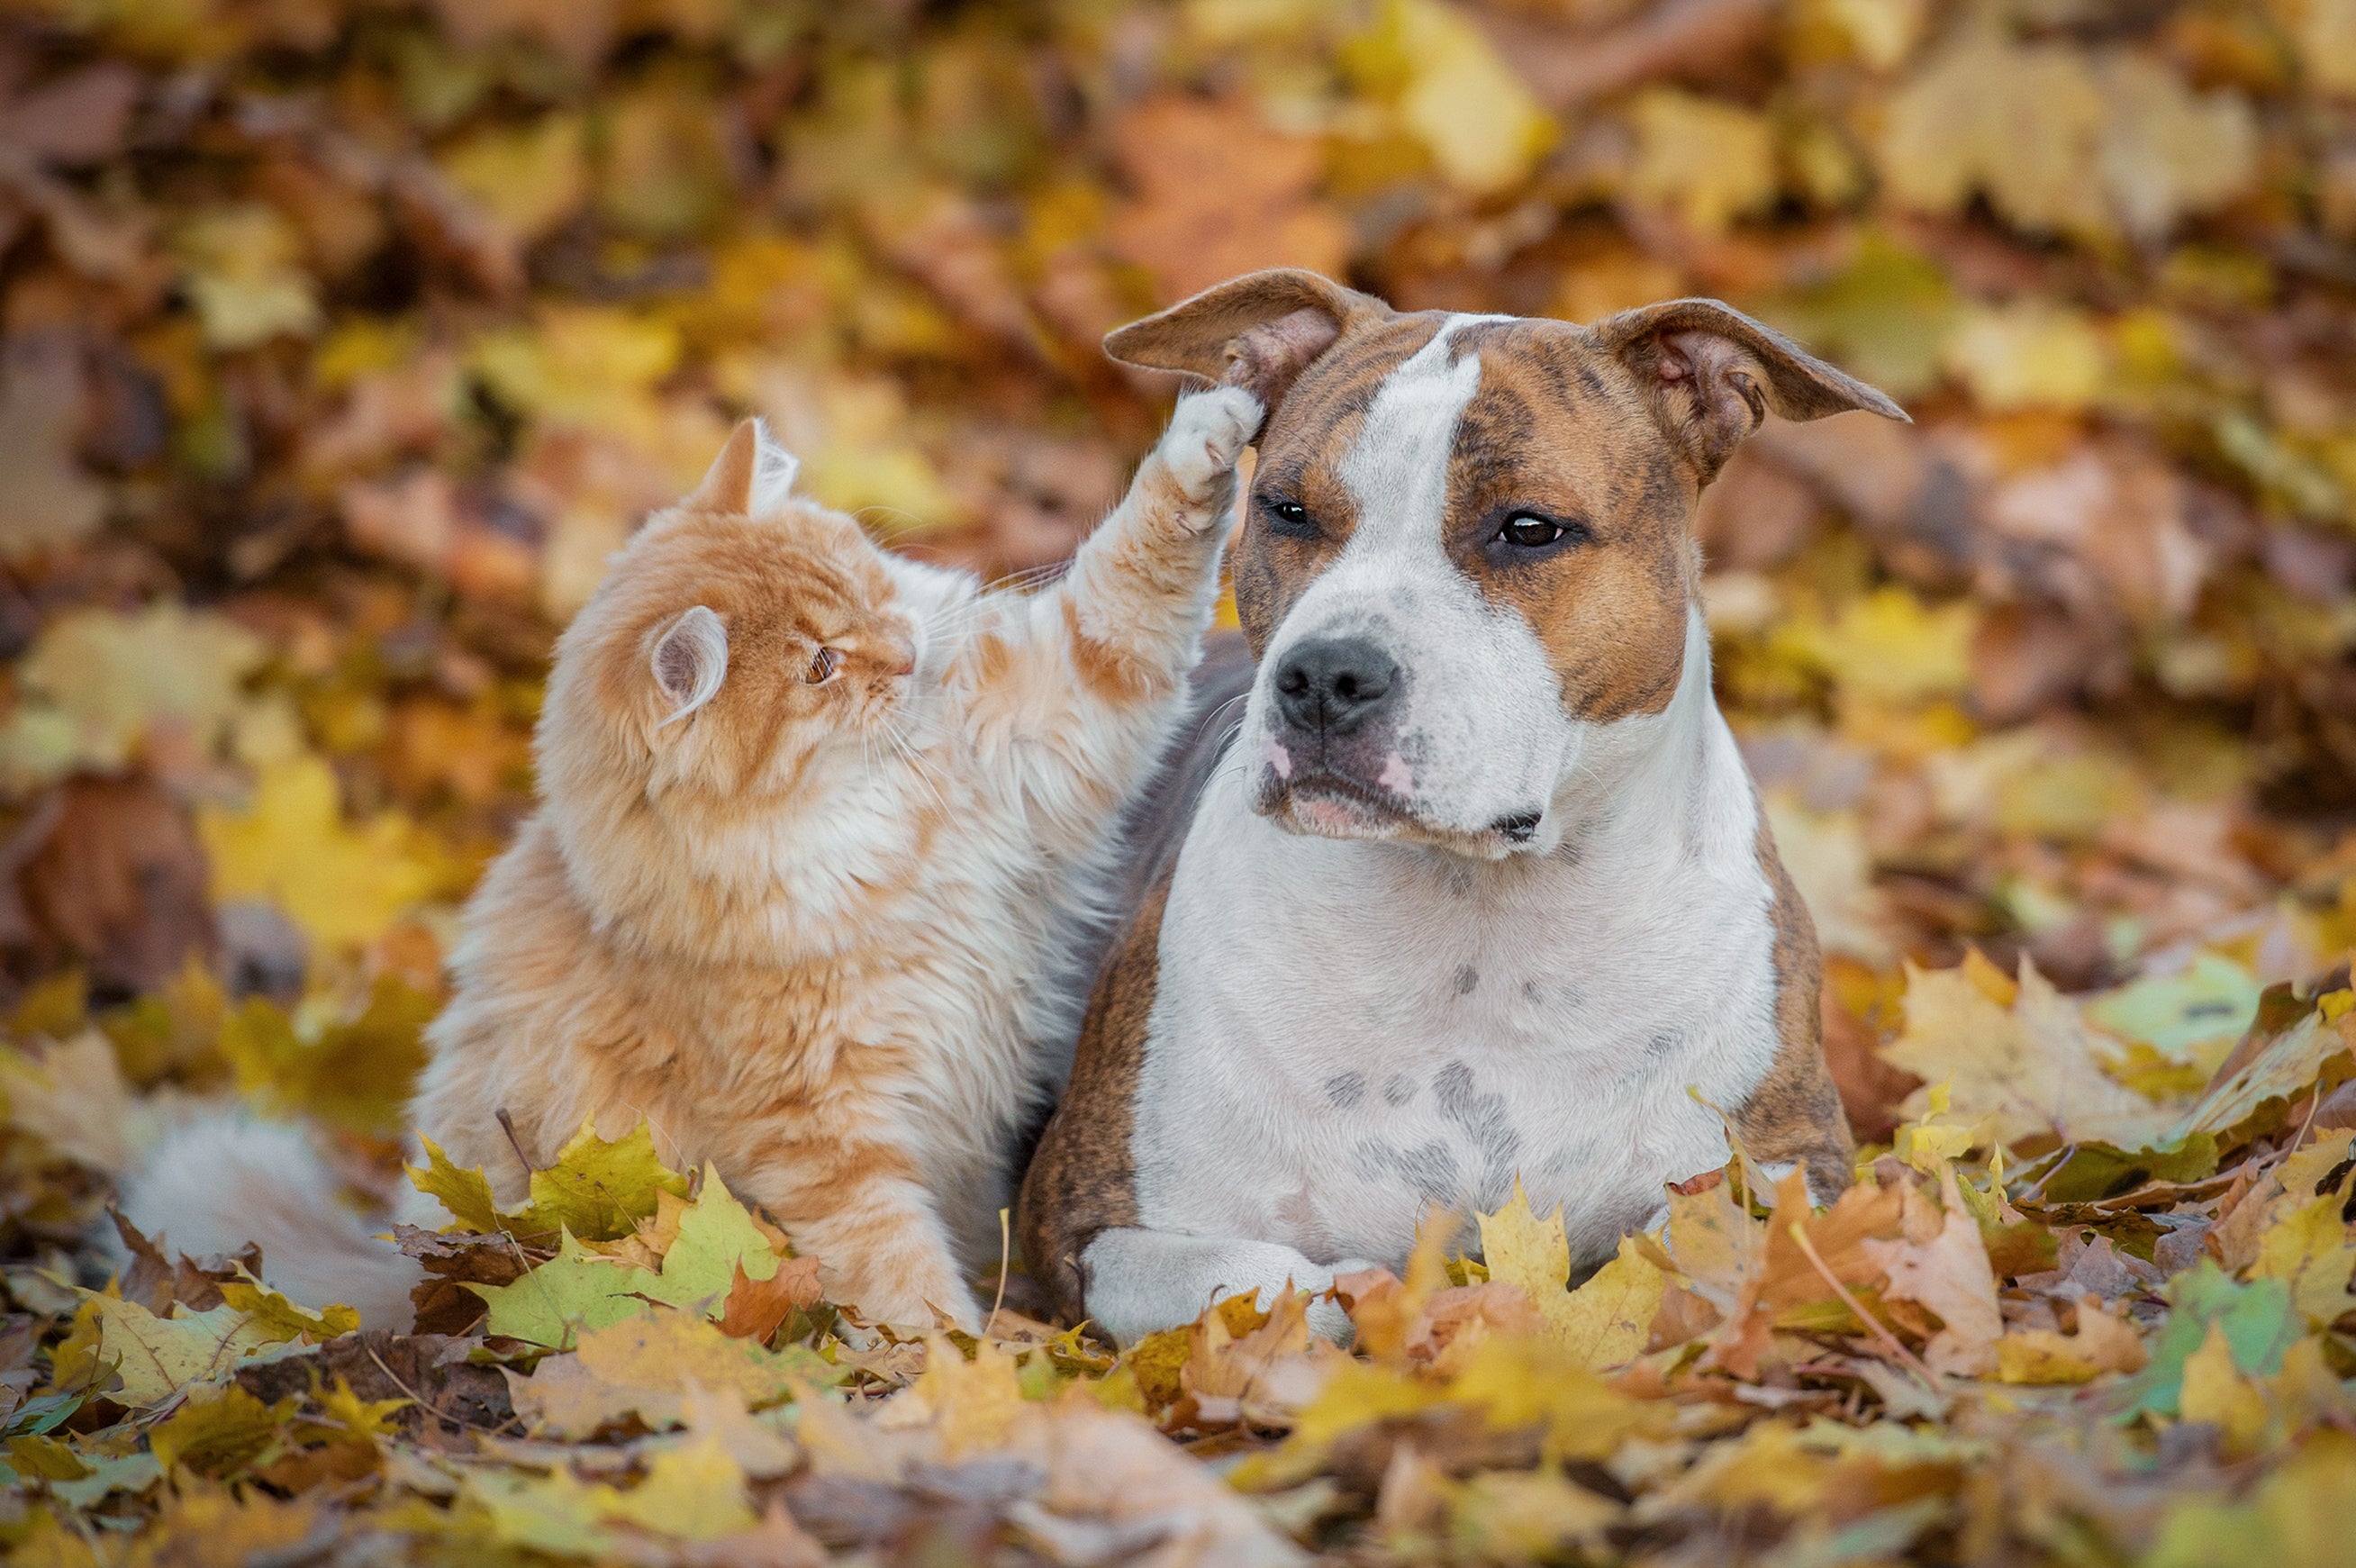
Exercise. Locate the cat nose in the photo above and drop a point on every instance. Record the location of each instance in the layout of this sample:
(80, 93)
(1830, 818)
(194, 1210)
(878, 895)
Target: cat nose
(898, 658)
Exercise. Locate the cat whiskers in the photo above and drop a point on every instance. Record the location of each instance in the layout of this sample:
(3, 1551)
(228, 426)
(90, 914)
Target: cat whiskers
(916, 763)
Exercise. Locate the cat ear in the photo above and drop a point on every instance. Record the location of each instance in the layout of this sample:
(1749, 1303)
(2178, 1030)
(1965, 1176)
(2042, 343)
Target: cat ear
(690, 659)
(751, 477)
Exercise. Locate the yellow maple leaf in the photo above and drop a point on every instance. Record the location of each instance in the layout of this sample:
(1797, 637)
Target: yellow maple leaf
(342, 883)
(693, 1492)
(96, 681)
(2103, 1344)
(1889, 646)
(2034, 1067)
(585, 367)
(1607, 1318)
(975, 1403)
(2020, 123)
(2034, 354)
(217, 1430)
(1603, 1323)
(2308, 1246)
(1524, 1252)
(1938, 1135)
(158, 1357)
(2216, 1392)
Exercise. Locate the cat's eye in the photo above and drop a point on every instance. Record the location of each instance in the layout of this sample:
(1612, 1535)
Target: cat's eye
(1288, 517)
(822, 666)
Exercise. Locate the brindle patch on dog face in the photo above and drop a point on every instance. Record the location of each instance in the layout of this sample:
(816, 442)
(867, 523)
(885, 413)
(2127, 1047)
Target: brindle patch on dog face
(1557, 430)
(1300, 452)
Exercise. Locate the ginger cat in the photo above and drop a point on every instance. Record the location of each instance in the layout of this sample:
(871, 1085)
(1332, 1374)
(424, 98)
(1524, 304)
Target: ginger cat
(817, 825)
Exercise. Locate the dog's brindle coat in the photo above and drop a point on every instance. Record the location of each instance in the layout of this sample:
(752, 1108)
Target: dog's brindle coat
(1480, 888)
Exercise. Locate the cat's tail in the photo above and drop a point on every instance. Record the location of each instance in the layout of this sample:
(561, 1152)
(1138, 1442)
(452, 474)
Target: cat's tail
(220, 1180)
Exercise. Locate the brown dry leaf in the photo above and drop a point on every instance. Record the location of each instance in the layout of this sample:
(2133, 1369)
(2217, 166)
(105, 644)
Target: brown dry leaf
(756, 1307)
(118, 885)
(1841, 1244)
(1941, 1263)
(2034, 1064)
(47, 501)
(1456, 1321)
(1263, 1375)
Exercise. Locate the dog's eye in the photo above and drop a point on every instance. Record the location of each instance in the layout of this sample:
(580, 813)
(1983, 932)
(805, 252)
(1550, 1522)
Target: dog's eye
(1530, 530)
(822, 666)
(1288, 517)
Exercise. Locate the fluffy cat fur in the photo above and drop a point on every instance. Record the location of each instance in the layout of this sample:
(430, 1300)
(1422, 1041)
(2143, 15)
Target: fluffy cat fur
(819, 827)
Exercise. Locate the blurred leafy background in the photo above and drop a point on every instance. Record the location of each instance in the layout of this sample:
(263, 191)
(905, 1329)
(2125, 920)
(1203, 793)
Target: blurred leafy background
(341, 342)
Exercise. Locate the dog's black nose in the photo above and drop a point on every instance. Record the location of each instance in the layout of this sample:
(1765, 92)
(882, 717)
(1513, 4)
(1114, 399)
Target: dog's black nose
(1333, 684)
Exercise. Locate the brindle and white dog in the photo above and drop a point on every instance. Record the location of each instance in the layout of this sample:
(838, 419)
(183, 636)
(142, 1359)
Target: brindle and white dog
(1481, 886)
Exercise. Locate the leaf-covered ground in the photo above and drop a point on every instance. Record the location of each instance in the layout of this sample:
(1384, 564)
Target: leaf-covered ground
(340, 340)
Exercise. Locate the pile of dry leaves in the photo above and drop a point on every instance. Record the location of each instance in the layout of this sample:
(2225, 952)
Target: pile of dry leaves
(340, 340)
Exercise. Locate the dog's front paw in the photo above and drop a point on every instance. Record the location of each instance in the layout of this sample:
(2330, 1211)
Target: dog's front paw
(1206, 435)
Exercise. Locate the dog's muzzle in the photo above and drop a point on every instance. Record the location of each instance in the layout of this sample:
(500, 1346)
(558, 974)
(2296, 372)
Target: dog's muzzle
(1334, 761)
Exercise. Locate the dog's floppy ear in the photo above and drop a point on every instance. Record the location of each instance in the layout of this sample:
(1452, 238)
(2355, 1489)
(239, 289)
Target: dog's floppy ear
(1259, 332)
(1711, 373)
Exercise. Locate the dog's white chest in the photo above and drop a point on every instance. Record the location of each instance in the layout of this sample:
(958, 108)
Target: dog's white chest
(1346, 1035)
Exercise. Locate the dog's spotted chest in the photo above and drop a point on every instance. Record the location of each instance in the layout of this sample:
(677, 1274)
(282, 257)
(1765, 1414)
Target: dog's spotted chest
(1379, 1035)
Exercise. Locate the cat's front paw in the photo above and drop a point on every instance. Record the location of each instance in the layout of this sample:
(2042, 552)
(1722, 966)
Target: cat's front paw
(1207, 434)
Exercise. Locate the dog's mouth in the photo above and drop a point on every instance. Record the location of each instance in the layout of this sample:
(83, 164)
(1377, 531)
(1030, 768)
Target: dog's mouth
(1323, 804)
(1332, 806)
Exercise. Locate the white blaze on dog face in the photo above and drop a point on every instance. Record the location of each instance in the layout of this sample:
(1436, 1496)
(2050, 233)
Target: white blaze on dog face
(1396, 694)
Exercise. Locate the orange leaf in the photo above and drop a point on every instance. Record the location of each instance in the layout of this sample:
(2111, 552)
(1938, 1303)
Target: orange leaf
(756, 1307)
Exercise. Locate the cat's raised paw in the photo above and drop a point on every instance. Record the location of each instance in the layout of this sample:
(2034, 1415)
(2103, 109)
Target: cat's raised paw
(1207, 434)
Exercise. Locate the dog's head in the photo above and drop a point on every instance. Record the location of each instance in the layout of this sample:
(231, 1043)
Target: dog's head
(1468, 552)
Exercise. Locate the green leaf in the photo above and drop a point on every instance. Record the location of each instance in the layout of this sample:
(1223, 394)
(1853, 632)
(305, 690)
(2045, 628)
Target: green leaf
(601, 1191)
(597, 1190)
(465, 1195)
(2257, 1320)
(157, 1357)
(2095, 1171)
(130, 1473)
(2213, 999)
(716, 1236)
(575, 1289)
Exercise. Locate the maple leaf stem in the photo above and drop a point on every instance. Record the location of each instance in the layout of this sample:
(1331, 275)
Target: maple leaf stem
(1005, 1257)
(506, 1125)
(1889, 1341)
